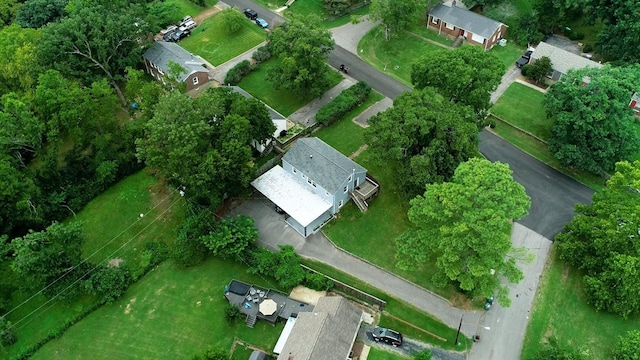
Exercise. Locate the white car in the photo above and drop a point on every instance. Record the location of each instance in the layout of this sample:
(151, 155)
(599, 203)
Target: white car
(189, 25)
(168, 29)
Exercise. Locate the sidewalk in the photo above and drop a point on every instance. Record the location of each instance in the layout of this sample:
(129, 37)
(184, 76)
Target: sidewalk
(306, 115)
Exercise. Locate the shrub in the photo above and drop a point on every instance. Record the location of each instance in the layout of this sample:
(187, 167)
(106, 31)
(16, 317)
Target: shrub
(7, 336)
(525, 70)
(236, 73)
(317, 281)
(587, 48)
(343, 103)
(109, 282)
(262, 54)
(232, 313)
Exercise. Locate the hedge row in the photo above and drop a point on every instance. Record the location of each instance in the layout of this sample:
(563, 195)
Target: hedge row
(236, 73)
(343, 103)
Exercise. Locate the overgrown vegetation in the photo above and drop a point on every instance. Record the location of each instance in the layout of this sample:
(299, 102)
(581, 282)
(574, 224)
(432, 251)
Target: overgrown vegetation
(343, 103)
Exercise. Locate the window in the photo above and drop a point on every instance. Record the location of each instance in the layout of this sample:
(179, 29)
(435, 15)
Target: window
(341, 203)
(346, 189)
(294, 170)
(303, 176)
(195, 80)
(349, 178)
(449, 26)
(434, 20)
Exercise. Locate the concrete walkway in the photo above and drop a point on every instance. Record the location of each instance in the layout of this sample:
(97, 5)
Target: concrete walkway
(306, 115)
(529, 85)
(504, 326)
(507, 79)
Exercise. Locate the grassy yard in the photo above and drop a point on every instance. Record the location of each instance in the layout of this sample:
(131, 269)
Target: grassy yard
(186, 7)
(523, 107)
(345, 135)
(380, 354)
(403, 311)
(581, 25)
(421, 29)
(110, 221)
(211, 41)
(393, 57)
(560, 310)
(509, 54)
(169, 314)
(284, 101)
(315, 7)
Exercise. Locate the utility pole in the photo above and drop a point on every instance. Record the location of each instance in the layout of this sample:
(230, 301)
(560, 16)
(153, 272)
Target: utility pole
(459, 326)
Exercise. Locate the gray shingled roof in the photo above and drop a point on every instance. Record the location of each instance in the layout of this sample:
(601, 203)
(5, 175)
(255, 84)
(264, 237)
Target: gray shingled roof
(562, 60)
(466, 20)
(321, 163)
(327, 333)
(274, 114)
(161, 52)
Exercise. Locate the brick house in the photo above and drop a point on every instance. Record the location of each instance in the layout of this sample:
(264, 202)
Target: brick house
(476, 29)
(160, 53)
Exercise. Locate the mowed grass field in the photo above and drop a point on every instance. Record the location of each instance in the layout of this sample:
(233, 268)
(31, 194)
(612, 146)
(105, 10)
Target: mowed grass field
(282, 100)
(560, 310)
(523, 107)
(186, 7)
(168, 314)
(112, 228)
(212, 42)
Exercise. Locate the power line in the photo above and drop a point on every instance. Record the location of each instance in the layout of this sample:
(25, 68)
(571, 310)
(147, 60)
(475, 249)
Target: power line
(96, 266)
(86, 259)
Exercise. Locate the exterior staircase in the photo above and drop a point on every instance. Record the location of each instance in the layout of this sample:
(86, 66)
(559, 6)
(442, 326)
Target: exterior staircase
(251, 320)
(359, 202)
(459, 40)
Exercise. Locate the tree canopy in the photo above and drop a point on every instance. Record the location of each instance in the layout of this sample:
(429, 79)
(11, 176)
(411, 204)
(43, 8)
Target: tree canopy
(467, 75)
(37, 13)
(602, 240)
(397, 15)
(594, 126)
(465, 226)
(628, 347)
(302, 47)
(427, 135)
(204, 144)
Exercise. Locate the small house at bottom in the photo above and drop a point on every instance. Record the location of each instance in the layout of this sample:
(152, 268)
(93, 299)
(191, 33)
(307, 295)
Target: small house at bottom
(161, 53)
(313, 183)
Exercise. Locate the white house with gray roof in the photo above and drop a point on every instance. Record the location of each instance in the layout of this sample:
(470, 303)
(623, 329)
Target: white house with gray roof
(326, 333)
(561, 60)
(160, 53)
(476, 29)
(313, 183)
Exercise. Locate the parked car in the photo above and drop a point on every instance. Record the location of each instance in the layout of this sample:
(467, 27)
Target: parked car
(185, 20)
(524, 59)
(387, 335)
(189, 25)
(250, 13)
(168, 36)
(169, 29)
(179, 35)
(263, 24)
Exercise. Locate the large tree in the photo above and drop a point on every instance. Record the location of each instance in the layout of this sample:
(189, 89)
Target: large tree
(17, 196)
(95, 41)
(204, 144)
(465, 226)
(602, 240)
(594, 126)
(628, 347)
(37, 13)
(19, 66)
(302, 47)
(397, 15)
(427, 135)
(467, 75)
(48, 260)
(21, 132)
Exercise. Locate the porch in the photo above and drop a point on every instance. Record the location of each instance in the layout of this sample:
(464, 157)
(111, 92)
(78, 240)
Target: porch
(363, 194)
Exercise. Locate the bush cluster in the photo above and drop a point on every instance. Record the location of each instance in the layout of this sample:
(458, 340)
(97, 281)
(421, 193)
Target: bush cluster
(236, 73)
(587, 48)
(343, 103)
(262, 54)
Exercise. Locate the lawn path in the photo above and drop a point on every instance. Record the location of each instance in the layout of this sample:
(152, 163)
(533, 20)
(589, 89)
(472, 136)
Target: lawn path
(544, 91)
(360, 150)
(429, 40)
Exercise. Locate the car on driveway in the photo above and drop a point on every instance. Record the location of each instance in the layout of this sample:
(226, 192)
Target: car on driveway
(250, 13)
(524, 59)
(262, 23)
(179, 35)
(387, 335)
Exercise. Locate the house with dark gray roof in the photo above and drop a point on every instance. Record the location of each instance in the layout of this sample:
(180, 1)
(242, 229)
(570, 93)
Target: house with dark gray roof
(161, 53)
(454, 21)
(561, 60)
(313, 183)
(326, 333)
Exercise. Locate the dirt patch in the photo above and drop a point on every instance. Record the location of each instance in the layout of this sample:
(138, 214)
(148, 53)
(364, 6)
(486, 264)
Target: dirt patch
(206, 13)
(127, 310)
(565, 273)
(359, 151)
(307, 295)
(115, 262)
(160, 198)
(461, 301)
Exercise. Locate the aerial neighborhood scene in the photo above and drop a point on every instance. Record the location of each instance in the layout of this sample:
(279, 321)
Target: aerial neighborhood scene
(320, 179)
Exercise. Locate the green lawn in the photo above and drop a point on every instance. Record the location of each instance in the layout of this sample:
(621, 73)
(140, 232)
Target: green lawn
(560, 311)
(380, 354)
(421, 29)
(402, 310)
(523, 107)
(539, 150)
(393, 57)
(344, 135)
(169, 314)
(509, 54)
(315, 7)
(211, 41)
(110, 221)
(524, 7)
(581, 25)
(284, 101)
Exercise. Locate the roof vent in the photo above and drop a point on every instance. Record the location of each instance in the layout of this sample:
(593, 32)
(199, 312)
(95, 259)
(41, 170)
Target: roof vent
(311, 156)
